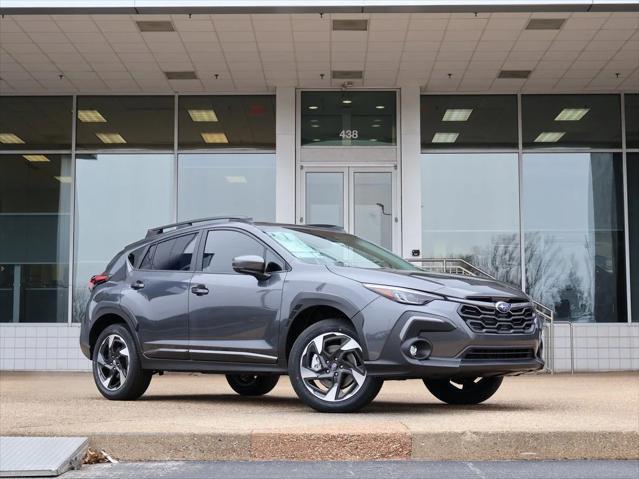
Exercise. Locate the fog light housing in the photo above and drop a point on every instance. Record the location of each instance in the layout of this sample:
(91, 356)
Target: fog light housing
(418, 349)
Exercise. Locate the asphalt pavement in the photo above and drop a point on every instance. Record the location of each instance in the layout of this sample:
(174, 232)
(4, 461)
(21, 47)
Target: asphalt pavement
(365, 470)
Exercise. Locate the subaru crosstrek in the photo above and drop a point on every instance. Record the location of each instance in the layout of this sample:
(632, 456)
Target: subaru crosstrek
(336, 313)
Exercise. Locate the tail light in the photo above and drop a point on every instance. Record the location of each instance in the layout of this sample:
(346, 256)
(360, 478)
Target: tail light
(98, 279)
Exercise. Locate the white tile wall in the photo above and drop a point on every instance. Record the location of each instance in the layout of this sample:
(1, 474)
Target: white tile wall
(26, 347)
(595, 347)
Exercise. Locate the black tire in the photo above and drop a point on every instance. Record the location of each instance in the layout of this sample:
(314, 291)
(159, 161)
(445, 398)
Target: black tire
(136, 380)
(463, 391)
(252, 384)
(345, 377)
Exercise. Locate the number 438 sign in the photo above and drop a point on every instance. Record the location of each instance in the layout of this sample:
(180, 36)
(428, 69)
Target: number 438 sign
(348, 134)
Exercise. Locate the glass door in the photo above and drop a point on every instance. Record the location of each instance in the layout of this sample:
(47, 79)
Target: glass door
(359, 199)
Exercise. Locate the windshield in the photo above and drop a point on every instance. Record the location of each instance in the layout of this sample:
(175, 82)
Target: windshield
(335, 248)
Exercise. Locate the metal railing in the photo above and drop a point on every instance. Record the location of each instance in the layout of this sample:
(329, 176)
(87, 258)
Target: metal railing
(463, 267)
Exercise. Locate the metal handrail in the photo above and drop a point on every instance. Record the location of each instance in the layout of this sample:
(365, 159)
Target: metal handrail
(463, 267)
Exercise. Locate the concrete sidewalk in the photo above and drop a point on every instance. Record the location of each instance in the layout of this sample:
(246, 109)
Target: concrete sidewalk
(192, 416)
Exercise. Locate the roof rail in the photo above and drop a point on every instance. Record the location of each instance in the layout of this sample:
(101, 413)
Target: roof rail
(185, 224)
(327, 226)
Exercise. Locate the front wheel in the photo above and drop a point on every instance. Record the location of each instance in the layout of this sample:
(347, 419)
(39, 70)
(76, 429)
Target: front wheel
(327, 371)
(252, 384)
(464, 390)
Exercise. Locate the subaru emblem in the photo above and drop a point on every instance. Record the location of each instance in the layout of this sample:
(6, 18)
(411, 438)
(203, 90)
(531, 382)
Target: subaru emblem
(502, 306)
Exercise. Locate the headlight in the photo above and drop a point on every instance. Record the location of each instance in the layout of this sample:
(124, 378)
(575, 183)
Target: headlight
(403, 295)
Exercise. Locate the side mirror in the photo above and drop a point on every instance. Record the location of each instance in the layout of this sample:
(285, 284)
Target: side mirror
(251, 264)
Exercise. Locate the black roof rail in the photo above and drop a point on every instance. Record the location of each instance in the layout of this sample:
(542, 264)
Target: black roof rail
(327, 226)
(185, 224)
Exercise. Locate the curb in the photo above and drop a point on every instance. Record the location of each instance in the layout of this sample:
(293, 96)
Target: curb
(391, 445)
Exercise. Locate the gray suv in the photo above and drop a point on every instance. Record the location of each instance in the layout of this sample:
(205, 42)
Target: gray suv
(336, 313)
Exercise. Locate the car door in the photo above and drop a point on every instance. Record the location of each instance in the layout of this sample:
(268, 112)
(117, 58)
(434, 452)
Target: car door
(232, 316)
(158, 296)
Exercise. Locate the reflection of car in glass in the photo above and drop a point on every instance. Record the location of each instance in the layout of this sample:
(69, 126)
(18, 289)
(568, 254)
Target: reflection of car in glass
(336, 313)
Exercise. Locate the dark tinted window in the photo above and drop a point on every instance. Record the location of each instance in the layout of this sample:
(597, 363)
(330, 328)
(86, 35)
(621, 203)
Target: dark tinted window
(125, 122)
(147, 263)
(348, 118)
(632, 121)
(171, 255)
(468, 121)
(223, 121)
(633, 221)
(224, 245)
(582, 121)
(35, 123)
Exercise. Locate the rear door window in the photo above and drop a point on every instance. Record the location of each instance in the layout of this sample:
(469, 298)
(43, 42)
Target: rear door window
(171, 255)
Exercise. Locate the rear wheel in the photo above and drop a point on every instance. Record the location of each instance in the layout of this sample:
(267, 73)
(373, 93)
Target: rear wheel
(327, 371)
(252, 384)
(465, 390)
(117, 370)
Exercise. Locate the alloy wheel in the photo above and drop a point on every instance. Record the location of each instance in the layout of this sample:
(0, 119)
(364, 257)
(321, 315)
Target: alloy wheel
(332, 366)
(113, 362)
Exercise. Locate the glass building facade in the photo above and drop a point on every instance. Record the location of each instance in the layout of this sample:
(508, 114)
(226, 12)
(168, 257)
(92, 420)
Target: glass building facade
(541, 191)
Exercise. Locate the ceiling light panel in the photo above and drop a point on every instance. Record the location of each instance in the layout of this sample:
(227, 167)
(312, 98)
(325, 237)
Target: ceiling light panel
(91, 116)
(236, 179)
(110, 138)
(214, 137)
(347, 74)
(444, 137)
(457, 114)
(36, 158)
(184, 75)
(155, 26)
(63, 179)
(11, 139)
(203, 115)
(545, 24)
(350, 25)
(572, 114)
(549, 136)
(514, 74)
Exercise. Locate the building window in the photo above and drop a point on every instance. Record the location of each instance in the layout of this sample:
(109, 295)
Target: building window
(480, 225)
(35, 122)
(125, 122)
(632, 121)
(574, 234)
(118, 197)
(226, 121)
(34, 237)
(578, 121)
(468, 121)
(348, 118)
(632, 165)
(226, 184)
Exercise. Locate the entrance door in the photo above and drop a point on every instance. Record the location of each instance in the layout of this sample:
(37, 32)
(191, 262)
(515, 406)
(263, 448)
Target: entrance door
(360, 199)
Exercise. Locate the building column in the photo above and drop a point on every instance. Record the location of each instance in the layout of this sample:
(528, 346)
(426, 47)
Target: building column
(285, 155)
(410, 141)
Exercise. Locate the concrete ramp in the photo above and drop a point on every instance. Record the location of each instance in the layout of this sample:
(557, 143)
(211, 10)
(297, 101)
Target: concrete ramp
(40, 456)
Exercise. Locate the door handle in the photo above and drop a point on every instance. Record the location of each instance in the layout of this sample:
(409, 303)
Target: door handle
(200, 290)
(138, 285)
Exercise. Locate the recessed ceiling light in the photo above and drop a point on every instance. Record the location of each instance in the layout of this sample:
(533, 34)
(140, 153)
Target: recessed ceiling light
(314, 125)
(380, 107)
(346, 101)
(313, 107)
(347, 74)
(109, 138)
(90, 116)
(314, 120)
(155, 26)
(545, 23)
(349, 25)
(203, 115)
(11, 139)
(373, 139)
(376, 125)
(36, 158)
(457, 114)
(549, 136)
(514, 74)
(316, 139)
(236, 179)
(444, 137)
(63, 179)
(572, 114)
(183, 75)
(214, 137)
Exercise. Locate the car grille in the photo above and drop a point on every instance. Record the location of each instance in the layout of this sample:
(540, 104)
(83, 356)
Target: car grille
(498, 354)
(486, 319)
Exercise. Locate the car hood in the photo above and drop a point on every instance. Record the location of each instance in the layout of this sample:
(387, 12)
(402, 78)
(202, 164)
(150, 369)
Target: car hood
(455, 286)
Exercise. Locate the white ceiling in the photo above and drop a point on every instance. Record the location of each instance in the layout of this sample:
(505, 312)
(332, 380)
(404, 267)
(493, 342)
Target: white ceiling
(440, 52)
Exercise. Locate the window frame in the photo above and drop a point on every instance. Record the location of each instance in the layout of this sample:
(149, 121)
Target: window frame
(198, 236)
(202, 246)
